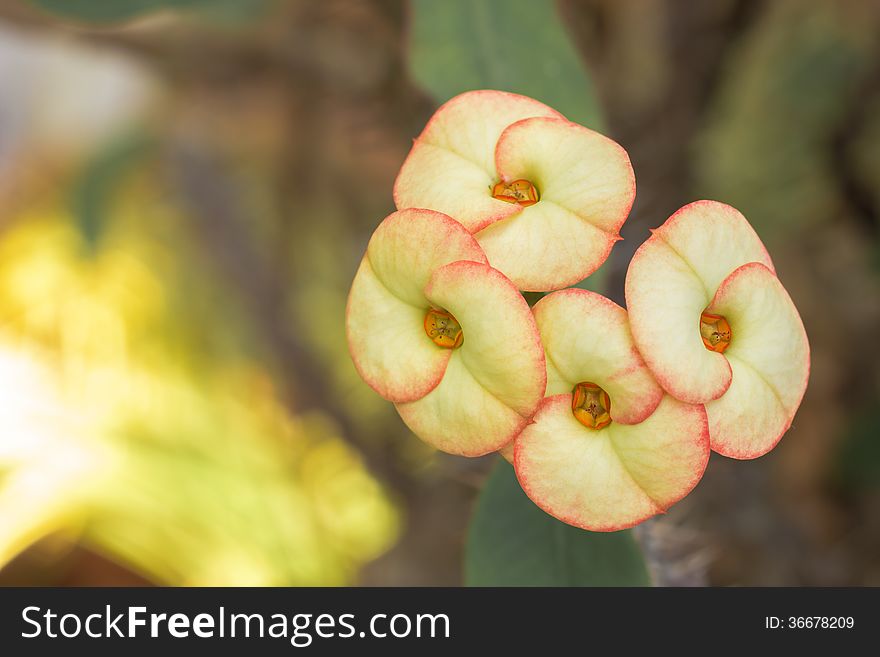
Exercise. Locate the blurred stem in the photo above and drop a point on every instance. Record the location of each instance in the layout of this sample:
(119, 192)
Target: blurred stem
(675, 557)
(218, 217)
(856, 191)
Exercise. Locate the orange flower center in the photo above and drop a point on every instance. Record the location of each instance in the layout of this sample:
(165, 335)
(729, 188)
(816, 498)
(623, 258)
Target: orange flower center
(591, 405)
(521, 192)
(443, 329)
(715, 331)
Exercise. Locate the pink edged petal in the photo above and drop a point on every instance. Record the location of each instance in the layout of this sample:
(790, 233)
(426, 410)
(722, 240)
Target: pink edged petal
(586, 187)
(545, 247)
(713, 239)
(433, 177)
(387, 341)
(748, 420)
(575, 475)
(586, 337)
(576, 168)
(615, 477)
(451, 167)
(471, 123)
(502, 347)
(665, 300)
(670, 282)
(496, 379)
(460, 416)
(410, 244)
(387, 305)
(666, 454)
(770, 356)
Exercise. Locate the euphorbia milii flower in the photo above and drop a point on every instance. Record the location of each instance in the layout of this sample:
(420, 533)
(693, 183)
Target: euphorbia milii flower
(716, 326)
(447, 338)
(607, 448)
(545, 197)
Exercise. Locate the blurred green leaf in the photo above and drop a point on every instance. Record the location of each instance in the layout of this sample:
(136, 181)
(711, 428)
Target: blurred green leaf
(513, 543)
(107, 11)
(765, 147)
(511, 45)
(99, 10)
(859, 457)
(598, 280)
(92, 193)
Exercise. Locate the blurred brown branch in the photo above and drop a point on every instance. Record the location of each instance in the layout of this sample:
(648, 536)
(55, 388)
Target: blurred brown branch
(854, 188)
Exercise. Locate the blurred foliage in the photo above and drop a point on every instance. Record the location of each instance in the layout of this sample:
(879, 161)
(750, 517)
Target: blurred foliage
(511, 45)
(514, 543)
(92, 194)
(858, 463)
(166, 446)
(109, 11)
(786, 95)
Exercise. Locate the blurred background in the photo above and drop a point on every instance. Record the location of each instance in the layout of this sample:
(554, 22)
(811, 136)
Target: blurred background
(185, 195)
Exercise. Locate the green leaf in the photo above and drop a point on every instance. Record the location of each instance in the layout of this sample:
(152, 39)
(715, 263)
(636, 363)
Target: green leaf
(98, 10)
(858, 463)
(109, 11)
(92, 193)
(513, 543)
(598, 280)
(510, 45)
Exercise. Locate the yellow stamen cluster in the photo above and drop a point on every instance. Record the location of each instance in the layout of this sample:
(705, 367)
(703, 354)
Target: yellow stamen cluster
(443, 329)
(715, 332)
(591, 405)
(521, 192)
